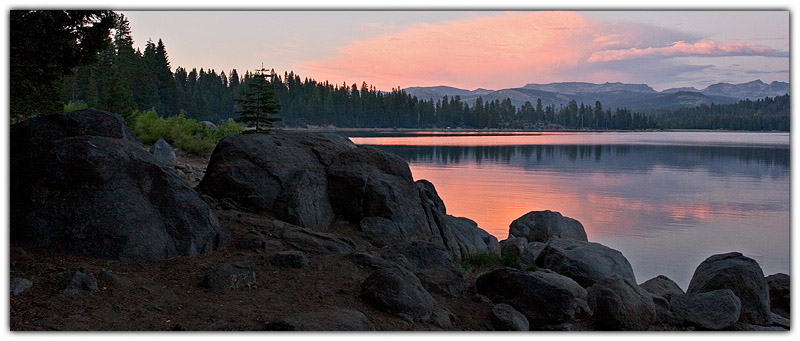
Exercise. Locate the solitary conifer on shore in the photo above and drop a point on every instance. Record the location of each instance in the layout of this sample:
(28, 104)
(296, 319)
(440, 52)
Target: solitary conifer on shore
(257, 102)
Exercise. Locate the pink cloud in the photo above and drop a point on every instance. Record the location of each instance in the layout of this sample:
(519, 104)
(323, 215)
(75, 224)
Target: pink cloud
(705, 47)
(474, 52)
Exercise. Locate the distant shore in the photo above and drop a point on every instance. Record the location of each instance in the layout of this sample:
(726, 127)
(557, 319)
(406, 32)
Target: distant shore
(465, 131)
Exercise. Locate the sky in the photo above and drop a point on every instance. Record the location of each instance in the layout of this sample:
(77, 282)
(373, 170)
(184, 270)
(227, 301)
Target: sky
(480, 49)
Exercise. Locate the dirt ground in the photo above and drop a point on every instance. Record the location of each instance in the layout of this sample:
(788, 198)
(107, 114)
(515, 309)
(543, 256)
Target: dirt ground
(165, 295)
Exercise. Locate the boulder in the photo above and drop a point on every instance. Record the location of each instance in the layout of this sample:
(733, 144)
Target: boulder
(446, 281)
(584, 262)
(82, 183)
(662, 286)
(19, 285)
(540, 226)
(465, 238)
(366, 182)
(619, 304)
(426, 255)
(282, 172)
(743, 276)
(513, 246)
(78, 282)
(369, 260)
(780, 321)
(256, 241)
(543, 296)
(460, 236)
(316, 242)
(208, 124)
(290, 259)
(714, 310)
(230, 276)
(779, 287)
(398, 291)
(327, 320)
(164, 153)
(505, 318)
(442, 318)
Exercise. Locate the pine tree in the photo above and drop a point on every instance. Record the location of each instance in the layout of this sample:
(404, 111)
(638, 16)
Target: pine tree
(257, 102)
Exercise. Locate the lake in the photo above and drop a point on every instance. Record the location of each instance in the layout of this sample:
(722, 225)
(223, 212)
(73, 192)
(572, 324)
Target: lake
(666, 200)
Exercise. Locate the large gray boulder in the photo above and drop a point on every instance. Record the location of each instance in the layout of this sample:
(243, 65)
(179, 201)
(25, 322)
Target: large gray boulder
(366, 182)
(584, 262)
(662, 286)
(283, 173)
(398, 291)
(740, 274)
(779, 287)
(715, 310)
(543, 296)
(505, 318)
(82, 183)
(434, 267)
(164, 153)
(619, 304)
(540, 226)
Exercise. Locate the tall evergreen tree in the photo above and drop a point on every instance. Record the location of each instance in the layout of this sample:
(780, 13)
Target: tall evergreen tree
(257, 102)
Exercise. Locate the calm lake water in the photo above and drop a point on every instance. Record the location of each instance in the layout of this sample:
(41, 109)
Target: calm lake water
(666, 200)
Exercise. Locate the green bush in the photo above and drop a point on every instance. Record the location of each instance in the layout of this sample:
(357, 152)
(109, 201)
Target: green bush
(72, 106)
(479, 262)
(185, 133)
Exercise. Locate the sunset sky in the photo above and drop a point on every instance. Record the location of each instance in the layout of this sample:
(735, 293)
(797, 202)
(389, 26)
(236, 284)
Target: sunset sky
(480, 49)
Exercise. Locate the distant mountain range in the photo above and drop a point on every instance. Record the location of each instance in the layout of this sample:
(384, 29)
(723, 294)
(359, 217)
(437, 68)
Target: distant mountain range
(612, 95)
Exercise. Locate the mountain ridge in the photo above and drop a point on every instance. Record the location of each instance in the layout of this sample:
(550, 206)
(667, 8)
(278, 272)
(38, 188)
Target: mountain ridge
(616, 94)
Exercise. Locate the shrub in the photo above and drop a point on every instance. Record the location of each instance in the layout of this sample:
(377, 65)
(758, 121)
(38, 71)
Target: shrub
(72, 106)
(181, 132)
(479, 262)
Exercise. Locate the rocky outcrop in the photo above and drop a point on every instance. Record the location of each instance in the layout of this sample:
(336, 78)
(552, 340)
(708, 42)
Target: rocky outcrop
(435, 269)
(543, 296)
(540, 226)
(619, 304)
(522, 250)
(662, 286)
(164, 153)
(316, 242)
(283, 173)
(398, 291)
(584, 262)
(779, 287)
(83, 183)
(505, 318)
(713, 310)
(740, 274)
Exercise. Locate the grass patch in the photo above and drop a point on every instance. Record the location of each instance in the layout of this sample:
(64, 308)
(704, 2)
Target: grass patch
(480, 262)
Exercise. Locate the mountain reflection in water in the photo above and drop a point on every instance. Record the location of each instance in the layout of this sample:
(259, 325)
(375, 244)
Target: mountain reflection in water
(665, 207)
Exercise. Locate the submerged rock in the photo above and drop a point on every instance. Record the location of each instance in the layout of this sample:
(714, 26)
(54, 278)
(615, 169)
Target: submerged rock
(743, 276)
(83, 183)
(540, 226)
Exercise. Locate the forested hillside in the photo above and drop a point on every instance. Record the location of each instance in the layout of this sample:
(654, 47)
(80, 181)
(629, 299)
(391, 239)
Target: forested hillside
(125, 80)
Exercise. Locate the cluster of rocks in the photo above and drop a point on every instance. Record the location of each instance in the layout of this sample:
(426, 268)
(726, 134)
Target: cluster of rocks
(83, 183)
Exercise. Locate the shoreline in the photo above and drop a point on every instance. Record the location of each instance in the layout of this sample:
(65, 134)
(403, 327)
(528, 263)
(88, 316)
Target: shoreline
(464, 131)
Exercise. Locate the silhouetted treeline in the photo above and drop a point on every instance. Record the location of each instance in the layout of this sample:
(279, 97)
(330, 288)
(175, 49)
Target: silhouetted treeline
(127, 79)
